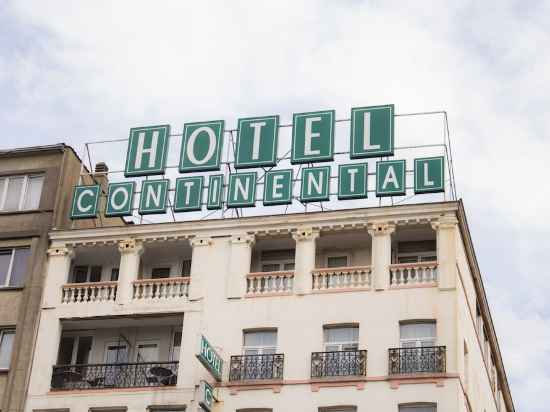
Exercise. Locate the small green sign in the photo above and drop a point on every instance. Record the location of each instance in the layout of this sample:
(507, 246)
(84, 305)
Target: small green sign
(242, 189)
(188, 195)
(278, 187)
(215, 192)
(153, 197)
(210, 359)
(390, 178)
(206, 401)
(85, 201)
(315, 184)
(146, 154)
(429, 175)
(313, 137)
(120, 199)
(257, 142)
(202, 146)
(352, 181)
(371, 133)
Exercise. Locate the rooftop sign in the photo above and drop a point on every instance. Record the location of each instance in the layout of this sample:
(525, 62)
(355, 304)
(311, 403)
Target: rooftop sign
(202, 183)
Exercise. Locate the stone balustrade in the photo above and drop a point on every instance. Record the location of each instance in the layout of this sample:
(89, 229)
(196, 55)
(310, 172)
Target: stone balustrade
(160, 289)
(89, 292)
(269, 283)
(341, 278)
(413, 274)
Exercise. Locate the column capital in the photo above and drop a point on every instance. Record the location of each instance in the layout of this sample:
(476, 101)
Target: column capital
(61, 251)
(445, 222)
(201, 241)
(243, 238)
(130, 246)
(305, 233)
(382, 228)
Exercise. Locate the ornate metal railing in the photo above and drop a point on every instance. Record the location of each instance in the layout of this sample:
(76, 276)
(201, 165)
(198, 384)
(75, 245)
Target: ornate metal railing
(161, 289)
(254, 367)
(413, 274)
(265, 283)
(120, 375)
(341, 363)
(355, 277)
(429, 359)
(88, 292)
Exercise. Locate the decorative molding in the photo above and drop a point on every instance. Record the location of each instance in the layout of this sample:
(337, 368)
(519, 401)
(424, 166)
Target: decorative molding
(130, 246)
(445, 222)
(201, 241)
(381, 229)
(305, 233)
(243, 238)
(61, 251)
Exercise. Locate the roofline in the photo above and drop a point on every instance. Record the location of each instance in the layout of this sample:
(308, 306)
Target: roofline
(482, 299)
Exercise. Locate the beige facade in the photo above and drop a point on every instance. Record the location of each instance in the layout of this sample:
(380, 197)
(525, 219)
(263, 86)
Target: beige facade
(366, 309)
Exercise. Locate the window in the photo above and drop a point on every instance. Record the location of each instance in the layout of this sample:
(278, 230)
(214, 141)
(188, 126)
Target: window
(341, 338)
(419, 407)
(74, 350)
(414, 252)
(6, 346)
(176, 346)
(186, 267)
(338, 409)
(13, 266)
(20, 192)
(84, 274)
(114, 274)
(260, 342)
(160, 273)
(147, 352)
(337, 261)
(276, 260)
(417, 334)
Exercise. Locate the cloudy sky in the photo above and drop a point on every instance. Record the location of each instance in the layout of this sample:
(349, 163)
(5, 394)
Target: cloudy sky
(76, 73)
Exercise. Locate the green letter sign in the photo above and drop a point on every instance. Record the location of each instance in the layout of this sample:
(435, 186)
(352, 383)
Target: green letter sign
(85, 201)
(188, 194)
(429, 175)
(390, 178)
(242, 189)
(202, 146)
(257, 142)
(215, 186)
(278, 187)
(352, 181)
(210, 359)
(206, 400)
(147, 148)
(371, 131)
(120, 199)
(153, 197)
(313, 137)
(315, 184)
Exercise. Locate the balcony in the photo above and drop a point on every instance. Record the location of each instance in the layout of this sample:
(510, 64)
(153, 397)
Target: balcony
(406, 361)
(269, 283)
(116, 375)
(339, 364)
(161, 289)
(89, 292)
(256, 367)
(341, 278)
(413, 274)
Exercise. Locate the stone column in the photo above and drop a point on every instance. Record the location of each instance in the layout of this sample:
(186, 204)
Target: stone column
(446, 229)
(304, 261)
(241, 257)
(199, 263)
(57, 274)
(130, 253)
(381, 254)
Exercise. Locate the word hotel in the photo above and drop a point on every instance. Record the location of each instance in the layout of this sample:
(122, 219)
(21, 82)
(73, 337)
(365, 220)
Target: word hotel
(371, 135)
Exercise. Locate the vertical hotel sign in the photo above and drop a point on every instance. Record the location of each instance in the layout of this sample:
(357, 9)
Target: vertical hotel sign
(210, 359)
(313, 135)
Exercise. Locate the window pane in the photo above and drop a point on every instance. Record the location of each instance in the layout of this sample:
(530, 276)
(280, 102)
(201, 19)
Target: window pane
(341, 334)
(186, 267)
(270, 267)
(160, 273)
(419, 331)
(6, 346)
(337, 261)
(14, 193)
(34, 190)
(65, 355)
(418, 408)
(288, 266)
(84, 349)
(80, 274)
(262, 338)
(114, 274)
(5, 258)
(19, 267)
(95, 274)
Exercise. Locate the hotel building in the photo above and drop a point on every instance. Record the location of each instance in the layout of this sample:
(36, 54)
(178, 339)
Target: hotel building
(374, 309)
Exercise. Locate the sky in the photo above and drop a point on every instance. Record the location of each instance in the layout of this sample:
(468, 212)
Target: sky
(75, 72)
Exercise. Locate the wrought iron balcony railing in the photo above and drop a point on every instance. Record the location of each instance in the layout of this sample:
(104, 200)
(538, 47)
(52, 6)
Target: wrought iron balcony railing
(254, 367)
(341, 363)
(119, 375)
(429, 359)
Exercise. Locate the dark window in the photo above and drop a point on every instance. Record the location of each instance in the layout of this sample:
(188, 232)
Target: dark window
(114, 274)
(66, 347)
(160, 273)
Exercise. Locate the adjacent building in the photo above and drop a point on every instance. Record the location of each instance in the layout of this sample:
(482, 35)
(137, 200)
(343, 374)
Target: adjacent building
(36, 186)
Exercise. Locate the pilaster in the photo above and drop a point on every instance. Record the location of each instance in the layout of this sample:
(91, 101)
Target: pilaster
(130, 254)
(304, 262)
(57, 274)
(241, 257)
(199, 261)
(381, 253)
(445, 228)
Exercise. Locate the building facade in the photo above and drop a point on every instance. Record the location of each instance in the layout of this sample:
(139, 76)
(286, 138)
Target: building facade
(378, 309)
(35, 193)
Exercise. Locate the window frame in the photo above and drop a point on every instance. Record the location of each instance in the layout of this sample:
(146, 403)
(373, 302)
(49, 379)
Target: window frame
(172, 346)
(419, 256)
(76, 342)
(4, 331)
(260, 349)
(341, 344)
(417, 405)
(22, 195)
(418, 342)
(338, 255)
(280, 262)
(88, 273)
(9, 274)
